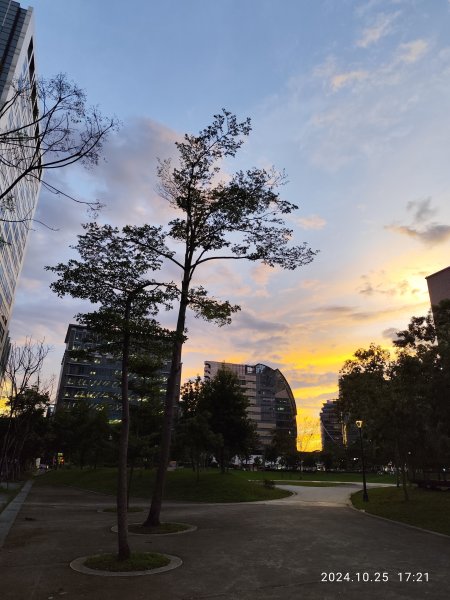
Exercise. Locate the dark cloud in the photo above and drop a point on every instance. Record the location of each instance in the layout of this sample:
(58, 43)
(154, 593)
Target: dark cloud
(390, 333)
(422, 229)
(431, 235)
(421, 209)
(247, 321)
(304, 379)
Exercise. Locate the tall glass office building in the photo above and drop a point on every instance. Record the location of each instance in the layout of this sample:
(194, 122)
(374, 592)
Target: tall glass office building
(17, 63)
(271, 401)
(94, 375)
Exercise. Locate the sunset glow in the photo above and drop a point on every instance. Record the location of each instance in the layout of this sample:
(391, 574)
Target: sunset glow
(358, 117)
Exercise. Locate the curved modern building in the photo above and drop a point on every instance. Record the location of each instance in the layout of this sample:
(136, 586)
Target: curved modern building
(272, 404)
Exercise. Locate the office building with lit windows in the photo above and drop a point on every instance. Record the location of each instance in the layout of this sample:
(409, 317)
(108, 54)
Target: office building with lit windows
(93, 376)
(271, 402)
(17, 63)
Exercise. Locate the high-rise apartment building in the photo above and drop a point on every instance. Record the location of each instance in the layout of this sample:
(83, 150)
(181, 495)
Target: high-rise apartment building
(93, 376)
(272, 404)
(439, 286)
(332, 427)
(17, 64)
(336, 431)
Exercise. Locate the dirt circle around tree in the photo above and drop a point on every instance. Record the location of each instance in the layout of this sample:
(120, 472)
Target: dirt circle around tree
(164, 529)
(78, 565)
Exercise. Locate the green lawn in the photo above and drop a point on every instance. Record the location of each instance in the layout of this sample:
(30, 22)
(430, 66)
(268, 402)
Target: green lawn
(181, 485)
(7, 494)
(308, 483)
(426, 509)
(317, 476)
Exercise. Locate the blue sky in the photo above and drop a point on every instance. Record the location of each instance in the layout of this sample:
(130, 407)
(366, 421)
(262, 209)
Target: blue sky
(350, 98)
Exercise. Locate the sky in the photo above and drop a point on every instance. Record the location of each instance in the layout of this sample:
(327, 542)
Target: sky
(349, 97)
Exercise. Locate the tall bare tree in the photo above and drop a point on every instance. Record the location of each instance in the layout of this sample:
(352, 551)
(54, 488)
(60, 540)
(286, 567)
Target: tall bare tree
(57, 129)
(25, 392)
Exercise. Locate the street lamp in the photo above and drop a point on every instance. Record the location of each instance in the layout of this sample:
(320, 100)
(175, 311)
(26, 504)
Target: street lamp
(359, 425)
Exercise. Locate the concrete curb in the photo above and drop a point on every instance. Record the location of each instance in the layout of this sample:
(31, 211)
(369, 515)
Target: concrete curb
(78, 565)
(9, 514)
(190, 528)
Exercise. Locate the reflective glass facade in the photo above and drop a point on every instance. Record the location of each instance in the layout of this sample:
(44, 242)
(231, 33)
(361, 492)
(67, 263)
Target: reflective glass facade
(95, 377)
(17, 63)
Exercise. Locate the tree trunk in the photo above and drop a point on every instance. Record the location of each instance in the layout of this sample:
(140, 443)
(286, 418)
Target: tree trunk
(130, 479)
(122, 487)
(153, 519)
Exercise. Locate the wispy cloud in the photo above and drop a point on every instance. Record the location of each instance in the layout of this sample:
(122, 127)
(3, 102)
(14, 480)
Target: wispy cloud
(343, 79)
(412, 51)
(382, 27)
(386, 287)
(312, 222)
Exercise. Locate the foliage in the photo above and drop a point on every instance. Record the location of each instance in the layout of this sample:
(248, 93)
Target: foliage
(23, 426)
(113, 272)
(216, 218)
(283, 447)
(223, 400)
(82, 433)
(403, 401)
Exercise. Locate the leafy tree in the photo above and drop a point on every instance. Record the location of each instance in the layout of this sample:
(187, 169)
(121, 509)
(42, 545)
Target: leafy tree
(284, 446)
(81, 432)
(423, 376)
(193, 430)
(223, 400)
(60, 129)
(237, 218)
(113, 272)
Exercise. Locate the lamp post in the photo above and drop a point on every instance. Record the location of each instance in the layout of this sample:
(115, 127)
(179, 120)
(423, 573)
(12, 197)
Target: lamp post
(359, 425)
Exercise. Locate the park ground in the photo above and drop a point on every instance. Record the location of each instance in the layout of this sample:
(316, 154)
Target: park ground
(268, 550)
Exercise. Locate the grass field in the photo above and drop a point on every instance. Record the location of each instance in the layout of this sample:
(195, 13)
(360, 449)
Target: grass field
(181, 485)
(426, 509)
(317, 476)
(308, 483)
(8, 493)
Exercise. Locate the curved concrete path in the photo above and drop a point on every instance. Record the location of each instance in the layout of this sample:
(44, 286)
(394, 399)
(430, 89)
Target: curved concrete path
(279, 550)
(338, 495)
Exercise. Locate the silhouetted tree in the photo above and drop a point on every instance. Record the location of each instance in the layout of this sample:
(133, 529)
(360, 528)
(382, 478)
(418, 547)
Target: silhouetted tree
(234, 218)
(223, 400)
(27, 396)
(112, 272)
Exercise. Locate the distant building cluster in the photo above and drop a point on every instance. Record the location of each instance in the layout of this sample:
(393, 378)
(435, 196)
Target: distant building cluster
(272, 404)
(17, 63)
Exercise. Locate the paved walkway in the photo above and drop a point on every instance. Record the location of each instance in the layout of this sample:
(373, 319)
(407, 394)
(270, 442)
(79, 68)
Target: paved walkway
(338, 495)
(277, 550)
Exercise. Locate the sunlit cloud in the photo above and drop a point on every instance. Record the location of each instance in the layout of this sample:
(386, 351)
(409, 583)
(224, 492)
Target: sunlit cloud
(312, 222)
(382, 27)
(412, 51)
(343, 79)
